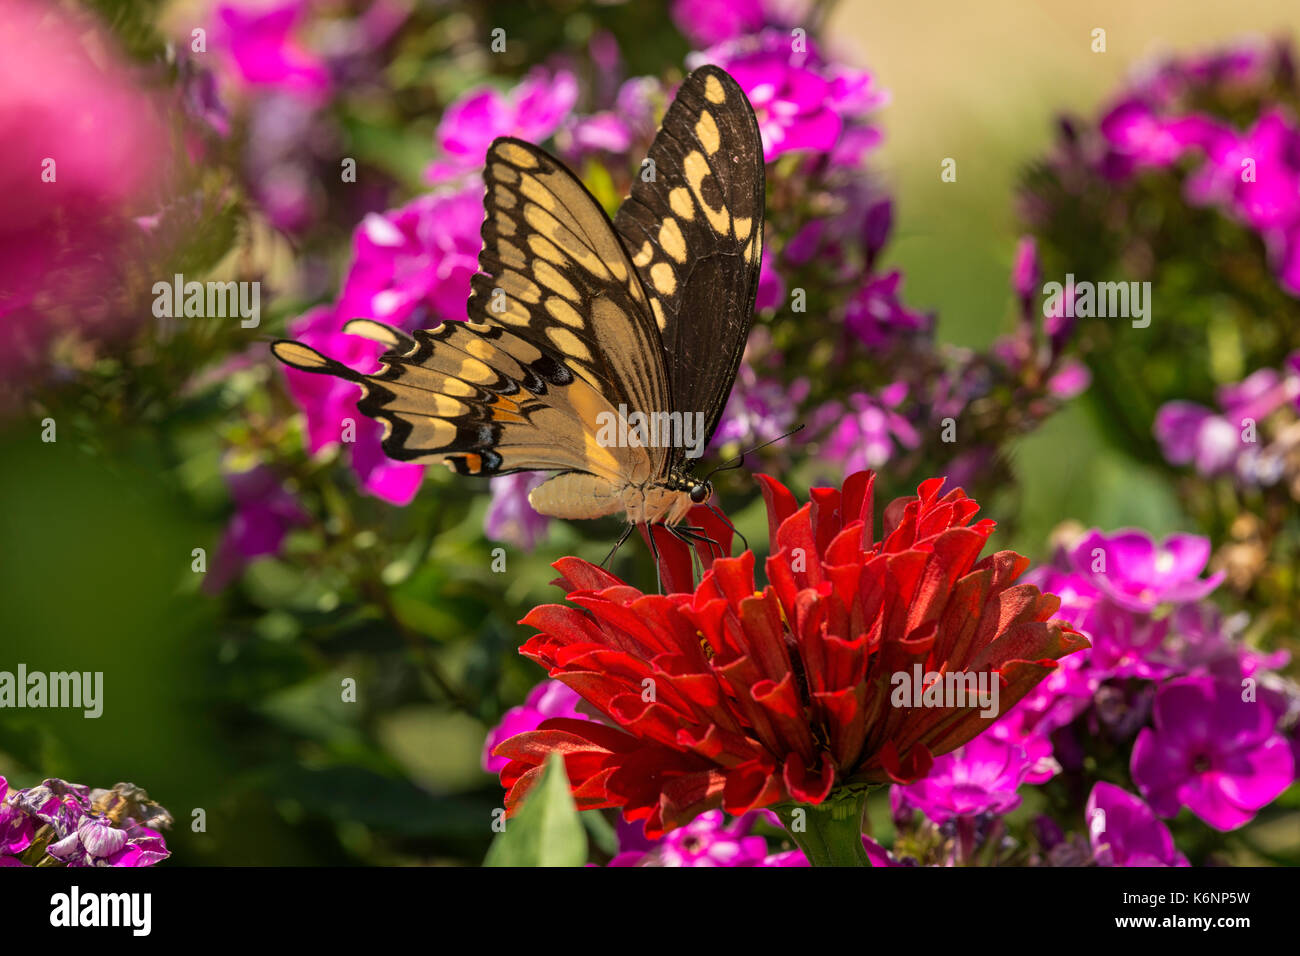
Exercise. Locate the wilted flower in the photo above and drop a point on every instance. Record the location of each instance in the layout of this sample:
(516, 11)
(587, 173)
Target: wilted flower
(1212, 752)
(61, 823)
(728, 697)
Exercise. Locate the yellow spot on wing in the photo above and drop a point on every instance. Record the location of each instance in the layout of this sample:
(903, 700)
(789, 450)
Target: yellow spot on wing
(568, 343)
(549, 277)
(514, 153)
(541, 247)
(563, 312)
(660, 319)
(696, 168)
(665, 281)
(511, 254)
(680, 201)
(713, 91)
(535, 191)
(298, 355)
(672, 241)
(644, 255)
(707, 130)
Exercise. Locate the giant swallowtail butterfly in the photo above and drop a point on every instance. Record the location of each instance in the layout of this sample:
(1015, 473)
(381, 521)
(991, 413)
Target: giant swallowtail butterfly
(576, 322)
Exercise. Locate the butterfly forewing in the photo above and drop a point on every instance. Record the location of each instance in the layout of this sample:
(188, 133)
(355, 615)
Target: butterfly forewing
(695, 234)
(553, 271)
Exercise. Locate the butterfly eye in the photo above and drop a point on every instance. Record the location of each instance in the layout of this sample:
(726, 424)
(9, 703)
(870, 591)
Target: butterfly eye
(700, 492)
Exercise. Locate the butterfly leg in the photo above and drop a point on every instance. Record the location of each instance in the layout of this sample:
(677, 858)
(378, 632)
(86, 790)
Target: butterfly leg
(727, 521)
(654, 551)
(687, 535)
(692, 533)
(627, 533)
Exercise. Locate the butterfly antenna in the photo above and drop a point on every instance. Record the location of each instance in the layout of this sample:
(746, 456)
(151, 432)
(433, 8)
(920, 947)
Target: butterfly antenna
(738, 461)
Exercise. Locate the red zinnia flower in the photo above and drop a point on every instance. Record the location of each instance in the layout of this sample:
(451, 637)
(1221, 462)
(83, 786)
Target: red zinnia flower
(728, 697)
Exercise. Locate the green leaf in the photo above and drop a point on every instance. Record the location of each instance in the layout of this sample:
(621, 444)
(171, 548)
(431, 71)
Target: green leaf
(547, 830)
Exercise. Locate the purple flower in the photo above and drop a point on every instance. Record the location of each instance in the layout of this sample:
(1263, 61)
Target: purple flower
(1286, 254)
(510, 518)
(876, 854)
(614, 131)
(1128, 644)
(329, 405)
(771, 287)
(877, 316)
(412, 265)
(867, 429)
(1212, 752)
(1204, 642)
(262, 52)
(1124, 832)
(800, 101)
(1070, 379)
(1026, 270)
(707, 22)
(1140, 138)
(1188, 433)
(982, 776)
(1138, 574)
(264, 514)
(759, 409)
(1019, 726)
(708, 840)
(1256, 174)
(548, 699)
(533, 110)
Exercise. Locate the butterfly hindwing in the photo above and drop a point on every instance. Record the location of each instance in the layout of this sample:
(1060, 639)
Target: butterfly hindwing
(479, 398)
(695, 234)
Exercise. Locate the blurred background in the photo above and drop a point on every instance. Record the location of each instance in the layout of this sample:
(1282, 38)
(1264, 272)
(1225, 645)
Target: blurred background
(225, 695)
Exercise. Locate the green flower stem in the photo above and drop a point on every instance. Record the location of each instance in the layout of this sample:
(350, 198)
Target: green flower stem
(830, 834)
